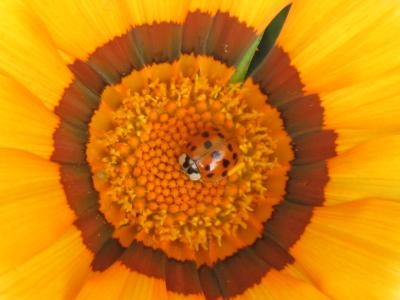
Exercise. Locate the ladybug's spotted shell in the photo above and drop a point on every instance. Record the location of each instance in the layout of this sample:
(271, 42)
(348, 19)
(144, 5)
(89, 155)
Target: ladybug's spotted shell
(214, 151)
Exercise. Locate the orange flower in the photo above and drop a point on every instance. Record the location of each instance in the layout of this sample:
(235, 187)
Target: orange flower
(100, 98)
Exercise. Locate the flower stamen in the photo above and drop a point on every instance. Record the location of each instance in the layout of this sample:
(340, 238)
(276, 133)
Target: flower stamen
(140, 167)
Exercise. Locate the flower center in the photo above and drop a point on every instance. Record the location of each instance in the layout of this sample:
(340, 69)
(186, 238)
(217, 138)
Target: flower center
(139, 164)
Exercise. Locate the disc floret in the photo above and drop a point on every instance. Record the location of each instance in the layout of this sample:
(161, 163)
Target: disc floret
(142, 173)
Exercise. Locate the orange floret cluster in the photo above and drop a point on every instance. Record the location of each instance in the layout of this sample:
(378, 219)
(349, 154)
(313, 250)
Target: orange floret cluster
(141, 165)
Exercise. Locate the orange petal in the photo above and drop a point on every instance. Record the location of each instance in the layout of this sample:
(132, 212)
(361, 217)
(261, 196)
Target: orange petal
(28, 55)
(175, 296)
(255, 14)
(57, 272)
(335, 44)
(25, 123)
(154, 11)
(34, 211)
(347, 53)
(368, 170)
(374, 108)
(139, 286)
(351, 250)
(79, 27)
(105, 285)
(277, 285)
(118, 282)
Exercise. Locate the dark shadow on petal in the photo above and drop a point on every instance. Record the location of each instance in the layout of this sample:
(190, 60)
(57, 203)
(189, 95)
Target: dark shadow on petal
(288, 223)
(306, 184)
(145, 260)
(221, 36)
(77, 184)
(70, 144)
(77, 104)
(272, 253)
(182, 277)
(195, 32)
(116, 59)
(209, 283)
(95, 230)
(89, 77)
(107, 255)
(158, 43)
(239, 272)
(314, 146)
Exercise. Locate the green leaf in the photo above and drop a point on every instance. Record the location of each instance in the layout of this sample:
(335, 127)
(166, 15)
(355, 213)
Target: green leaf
(260, 47)
(244, 64)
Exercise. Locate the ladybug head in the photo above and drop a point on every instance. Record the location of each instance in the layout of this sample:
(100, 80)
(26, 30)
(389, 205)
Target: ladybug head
(189, 167)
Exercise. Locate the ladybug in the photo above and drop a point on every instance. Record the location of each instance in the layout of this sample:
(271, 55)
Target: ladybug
(209, 155)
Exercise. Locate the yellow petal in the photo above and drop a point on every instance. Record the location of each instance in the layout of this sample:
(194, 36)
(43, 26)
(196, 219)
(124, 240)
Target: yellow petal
(33, 208)
(352, 250)
(373, 105)
(155, 11)
(374, 108)
(368, 170)
(105, 285)
(255, 14)
(139, 286)
(279, 285)
(55, 273)
(334, 44)
(78, 27)
(347, 53)
(350, 138)
(118, 282)
(28, 55)
(25, 123)
(175, 296)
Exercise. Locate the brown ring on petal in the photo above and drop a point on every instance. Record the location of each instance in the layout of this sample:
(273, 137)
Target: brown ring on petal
(280, 81)
(83, 200)
(221, 36)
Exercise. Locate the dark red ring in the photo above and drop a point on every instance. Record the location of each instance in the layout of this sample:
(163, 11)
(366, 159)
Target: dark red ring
(302, 115)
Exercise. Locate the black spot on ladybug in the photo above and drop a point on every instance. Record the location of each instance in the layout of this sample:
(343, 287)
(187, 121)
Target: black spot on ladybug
(188, 145)
(186, 162)
(224, 173)
(191, 171)
(208, 168)
(216, 154)
(230, 147)
(235, 156)
(210, 175)
(193, 148)
(220, 135)
(207, 144)
(225, 163)
(205, 134)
